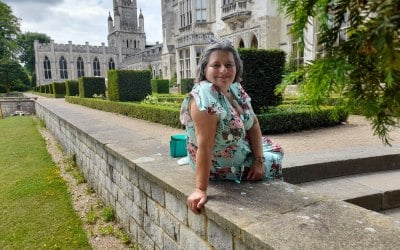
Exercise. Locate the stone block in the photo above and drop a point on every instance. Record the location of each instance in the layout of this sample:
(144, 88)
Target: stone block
(153, 211)
(136, 213)
(190, 240)
(153, 231)
(197, 223)
(219, 237)
(158, 194)
(170, 224)
(144, 240)
(140, 198)
(170, 244)
(177, 207)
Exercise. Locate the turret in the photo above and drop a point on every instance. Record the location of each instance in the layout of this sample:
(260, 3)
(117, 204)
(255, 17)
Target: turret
(117, 21)
(141, 21)
(110, 23)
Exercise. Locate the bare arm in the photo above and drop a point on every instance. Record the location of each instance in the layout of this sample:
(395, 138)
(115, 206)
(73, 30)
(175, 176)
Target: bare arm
(205, 126)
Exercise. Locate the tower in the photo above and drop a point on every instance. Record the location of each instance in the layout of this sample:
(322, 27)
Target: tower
(125, 34)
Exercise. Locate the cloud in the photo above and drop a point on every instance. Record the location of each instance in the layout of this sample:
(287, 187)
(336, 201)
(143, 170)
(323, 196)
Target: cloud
(80, 21)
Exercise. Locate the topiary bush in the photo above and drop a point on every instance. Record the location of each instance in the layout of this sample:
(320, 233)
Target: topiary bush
(90, 86)
(129, 85)
(186, 85)
(160, 86)
(58, 89)
(72, 88)
(262, 72)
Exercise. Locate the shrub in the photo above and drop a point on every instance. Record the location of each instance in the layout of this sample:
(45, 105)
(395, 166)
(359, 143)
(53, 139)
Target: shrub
(160, 86)
(89, 86)
(58, 89)
(129, 85)
(186, 85)
(262, 72)
(72, 88)
(285, 119)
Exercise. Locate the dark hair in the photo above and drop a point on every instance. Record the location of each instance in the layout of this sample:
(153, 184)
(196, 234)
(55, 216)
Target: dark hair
(224, 45)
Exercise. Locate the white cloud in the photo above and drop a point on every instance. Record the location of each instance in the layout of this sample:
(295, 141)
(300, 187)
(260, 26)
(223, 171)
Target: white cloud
(80, 21)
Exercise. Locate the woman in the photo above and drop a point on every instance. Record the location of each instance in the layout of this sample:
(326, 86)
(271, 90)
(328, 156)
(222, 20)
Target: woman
(224, 139)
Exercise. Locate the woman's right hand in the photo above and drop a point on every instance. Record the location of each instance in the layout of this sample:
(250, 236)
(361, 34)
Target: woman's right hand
(197, 200)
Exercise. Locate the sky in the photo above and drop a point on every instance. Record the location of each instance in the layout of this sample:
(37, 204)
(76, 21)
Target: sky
(80, 21)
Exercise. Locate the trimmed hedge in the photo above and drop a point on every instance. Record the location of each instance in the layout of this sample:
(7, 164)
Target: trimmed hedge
(72, 88)
(298, 118)
(186, 85)
(129, 85)
(89, 86)
(58, 89)
(262, 72)
(153, 113)
(277, 120)
(160, 86)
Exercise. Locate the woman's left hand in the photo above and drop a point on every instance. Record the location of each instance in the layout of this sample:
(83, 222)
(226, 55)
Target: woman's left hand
(256, 172)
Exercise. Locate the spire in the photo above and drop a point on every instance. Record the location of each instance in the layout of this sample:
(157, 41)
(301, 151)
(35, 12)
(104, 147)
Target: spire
(140, 15)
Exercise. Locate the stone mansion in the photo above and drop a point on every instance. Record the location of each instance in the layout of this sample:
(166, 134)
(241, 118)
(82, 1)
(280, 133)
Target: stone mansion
(187, 27)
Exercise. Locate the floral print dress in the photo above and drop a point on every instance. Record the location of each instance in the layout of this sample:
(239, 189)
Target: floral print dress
(232, 151)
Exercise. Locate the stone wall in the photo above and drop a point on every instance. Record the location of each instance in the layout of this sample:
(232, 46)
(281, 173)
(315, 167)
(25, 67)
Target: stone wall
(149, 200)
(9, 105)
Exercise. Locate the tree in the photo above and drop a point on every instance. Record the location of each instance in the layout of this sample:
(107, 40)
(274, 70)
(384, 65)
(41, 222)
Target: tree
(27, 55)
(364, 68)
(12, 76)
(9, 30)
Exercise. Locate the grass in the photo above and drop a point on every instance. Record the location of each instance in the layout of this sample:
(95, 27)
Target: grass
(35, 209)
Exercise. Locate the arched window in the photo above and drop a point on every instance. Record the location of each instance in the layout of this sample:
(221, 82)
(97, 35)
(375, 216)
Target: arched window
(47, 68)
(80, 68)
(96, 67)
(241, 44)
(254, 43)
(111, 64)
(160, 73)
(134, 44)
(63, 68)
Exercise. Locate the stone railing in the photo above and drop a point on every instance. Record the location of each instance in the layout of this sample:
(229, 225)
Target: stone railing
(148, 191)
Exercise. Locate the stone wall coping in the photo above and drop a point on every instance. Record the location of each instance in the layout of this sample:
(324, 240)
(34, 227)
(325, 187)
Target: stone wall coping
(262, 214)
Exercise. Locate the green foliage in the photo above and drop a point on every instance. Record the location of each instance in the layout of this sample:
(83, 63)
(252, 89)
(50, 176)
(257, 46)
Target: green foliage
(186, 85)
(107, 213)
(293, 118)
(262, 72)
(129, 85)
(72, 88)
(173, 80)
(160, 86)
(9, 29)
(59, 89)
(27, 55)
(89, 86)
(158, 114)
(13, 77)
(282, 119)
(363, 68)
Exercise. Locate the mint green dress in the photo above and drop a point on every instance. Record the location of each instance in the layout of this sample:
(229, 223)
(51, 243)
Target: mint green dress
(232, 155)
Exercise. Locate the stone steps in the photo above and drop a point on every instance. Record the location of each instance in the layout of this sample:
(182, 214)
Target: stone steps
(375, 191)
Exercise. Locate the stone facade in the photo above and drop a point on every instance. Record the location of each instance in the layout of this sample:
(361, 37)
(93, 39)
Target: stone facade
(187, 27)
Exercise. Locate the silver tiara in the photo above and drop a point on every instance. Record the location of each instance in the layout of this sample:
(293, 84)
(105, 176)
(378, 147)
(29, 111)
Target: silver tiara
(212, 41)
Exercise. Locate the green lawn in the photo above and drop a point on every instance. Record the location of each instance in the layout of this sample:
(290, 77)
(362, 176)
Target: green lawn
(35, 207)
